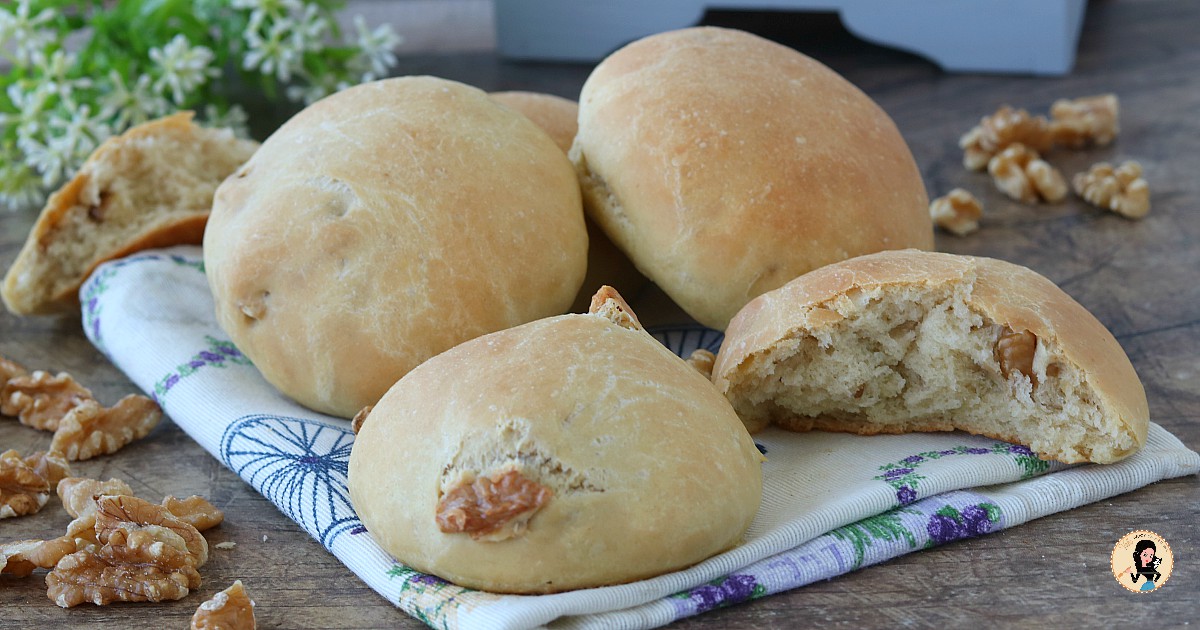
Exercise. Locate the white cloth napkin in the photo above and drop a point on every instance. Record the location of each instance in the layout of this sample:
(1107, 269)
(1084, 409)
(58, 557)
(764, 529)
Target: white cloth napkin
(831, 502)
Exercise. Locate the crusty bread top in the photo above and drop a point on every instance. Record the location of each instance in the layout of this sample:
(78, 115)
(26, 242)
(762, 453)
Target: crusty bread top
(152, 186)
(725, 165)
(1008, 294)
(385, 224)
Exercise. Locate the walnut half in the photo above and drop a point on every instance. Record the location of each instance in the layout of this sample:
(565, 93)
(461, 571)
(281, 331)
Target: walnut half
(1002, 129)
(957, 212)
(1083, 121)
(90, 430)
(1014, 351)
(22, 490)
(40, 400)
(230, 609)
(1020, 173)
(134, 565)
(1121, 189)
(487, 504)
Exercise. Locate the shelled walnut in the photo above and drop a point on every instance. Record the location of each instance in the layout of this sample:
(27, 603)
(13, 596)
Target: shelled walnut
(115, 513)
(958, 211)
(1122, 190)
(1020, 173)
(230, 609)
(1089, 120)
(485, 505)
(40, 400)
(90, 430)
(22, 490)
(1014, 351)
(142, 564)
(79, 494)
(195, 511)
(1002, 129)
(703, 361)
(20, 558)
(9, 370)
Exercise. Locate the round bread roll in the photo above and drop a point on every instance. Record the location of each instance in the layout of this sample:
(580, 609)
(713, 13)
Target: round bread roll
(607, 265)
(726, 165)
(383, 225)
(571, 452)
(916, 341)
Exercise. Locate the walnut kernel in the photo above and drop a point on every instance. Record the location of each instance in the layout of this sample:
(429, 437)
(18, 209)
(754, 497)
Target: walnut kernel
(142, 564)
(1082, 121)
(40, 400)
(1014, 352)
(703, 361)
(20, 558)
(1021, 174)
(195, 511)
(996, 132)
(957, 212)
(485, 505)
(115, 513)
(79, 494)
(1122, 190)
(230, 609)
(10, 370)
(359, 418)
(90, 430)
(22, 490)
(51, 466)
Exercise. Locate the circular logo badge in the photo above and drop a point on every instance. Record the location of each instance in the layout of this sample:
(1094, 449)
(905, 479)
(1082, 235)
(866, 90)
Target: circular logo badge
(1142, 561)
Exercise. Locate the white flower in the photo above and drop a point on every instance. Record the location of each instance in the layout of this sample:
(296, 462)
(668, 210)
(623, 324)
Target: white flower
(54, 70)
(308, 33)
(77, 136)
(276, 53)
(20, 186)
(129, 106)
(274, 7)
(234, 118)
(184, 67)
(377, 48)
(29, 105)
(26, 34)
(46, 158)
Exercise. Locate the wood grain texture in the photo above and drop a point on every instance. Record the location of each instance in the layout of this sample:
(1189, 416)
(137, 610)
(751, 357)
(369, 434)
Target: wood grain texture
(1142, 279)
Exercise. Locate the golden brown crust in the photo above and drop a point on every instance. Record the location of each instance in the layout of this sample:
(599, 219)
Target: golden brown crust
(383, 225)
(725, 165)
(635, 444)
(554, 114)
(1009, 295)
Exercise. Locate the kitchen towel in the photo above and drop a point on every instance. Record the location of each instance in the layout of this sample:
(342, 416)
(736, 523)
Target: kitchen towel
(832, 503)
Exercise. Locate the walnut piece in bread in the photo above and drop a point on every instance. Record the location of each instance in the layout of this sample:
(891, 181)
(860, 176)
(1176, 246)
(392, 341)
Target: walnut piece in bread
(149, 187)
(913, 341)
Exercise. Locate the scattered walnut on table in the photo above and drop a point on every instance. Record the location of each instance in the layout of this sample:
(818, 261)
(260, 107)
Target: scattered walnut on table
(79, 494)
(230, 609)
(958, 211)
(51, 466)
(40, 400)
(359, 418)
(1020, 173)
(10, 370)
(195, 511)
(115, 513)
(703, 361)
(1122, 190)
(20, 558)
(90, 430)
(134, 565)
(487, 504)
(1083, 121)
(1014, 351)
(996, 132)
(22, 490)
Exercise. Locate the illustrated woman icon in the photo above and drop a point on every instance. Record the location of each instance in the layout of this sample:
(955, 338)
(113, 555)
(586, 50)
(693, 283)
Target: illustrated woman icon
(1145, 565)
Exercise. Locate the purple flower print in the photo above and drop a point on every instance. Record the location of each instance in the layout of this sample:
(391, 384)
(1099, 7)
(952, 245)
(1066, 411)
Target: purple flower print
(979, 451)
(948, 452)
(430, 580)
(913, 459)
(943, 529)
(211, 357)
(906, 495)
(735, 588)
(1019, 449)
(895, 473)
(975, 521)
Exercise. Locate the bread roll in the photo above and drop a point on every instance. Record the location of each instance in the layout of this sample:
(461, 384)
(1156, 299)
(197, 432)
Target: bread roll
(383, 225)
(606, 459)
(607, 265)
(726, 165)
(152, 186)
(916, 341)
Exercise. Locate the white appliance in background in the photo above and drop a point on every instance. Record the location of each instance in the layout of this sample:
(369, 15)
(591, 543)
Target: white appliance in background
(1009, 36)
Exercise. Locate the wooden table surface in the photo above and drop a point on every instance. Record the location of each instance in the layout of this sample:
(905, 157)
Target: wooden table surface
(1142, 279)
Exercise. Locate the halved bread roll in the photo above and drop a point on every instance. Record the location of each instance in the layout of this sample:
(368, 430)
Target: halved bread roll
(915, 341)
(571, 452)
(149, 187)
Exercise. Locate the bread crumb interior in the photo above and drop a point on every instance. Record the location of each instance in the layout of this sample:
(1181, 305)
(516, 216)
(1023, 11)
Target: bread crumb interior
(918, 359)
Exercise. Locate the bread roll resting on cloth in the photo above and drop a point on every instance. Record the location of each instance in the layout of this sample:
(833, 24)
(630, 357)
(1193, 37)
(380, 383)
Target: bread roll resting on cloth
(151, 186)
(385, 224)
(916, 341)
(726, 165)
(571, 452)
